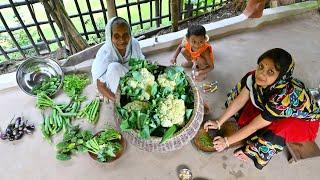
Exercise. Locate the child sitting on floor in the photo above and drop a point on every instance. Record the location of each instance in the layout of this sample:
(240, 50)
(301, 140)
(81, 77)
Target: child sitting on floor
(197, 51)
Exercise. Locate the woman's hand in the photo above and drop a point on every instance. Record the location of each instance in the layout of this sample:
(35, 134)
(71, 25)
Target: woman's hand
(220, 143)
(211, 124)
(105, 91)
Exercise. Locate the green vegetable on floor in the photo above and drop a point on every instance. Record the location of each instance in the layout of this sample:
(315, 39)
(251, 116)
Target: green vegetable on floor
(53, 124)
(44, 101)
(73, 141)
(91, 111)
(74, 84)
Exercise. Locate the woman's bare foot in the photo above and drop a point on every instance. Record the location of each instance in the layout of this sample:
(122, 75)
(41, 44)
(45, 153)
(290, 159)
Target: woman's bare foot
(240, 155)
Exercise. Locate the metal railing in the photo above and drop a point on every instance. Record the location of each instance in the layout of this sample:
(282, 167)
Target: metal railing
(23, 38)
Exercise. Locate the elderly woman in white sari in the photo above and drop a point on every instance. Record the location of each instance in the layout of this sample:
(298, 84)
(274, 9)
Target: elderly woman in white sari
(111, 61)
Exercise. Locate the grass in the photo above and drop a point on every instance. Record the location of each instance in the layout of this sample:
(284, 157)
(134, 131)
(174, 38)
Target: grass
(20, 35)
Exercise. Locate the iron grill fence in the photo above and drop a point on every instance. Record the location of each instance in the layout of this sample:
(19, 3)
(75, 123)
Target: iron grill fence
(26, 28)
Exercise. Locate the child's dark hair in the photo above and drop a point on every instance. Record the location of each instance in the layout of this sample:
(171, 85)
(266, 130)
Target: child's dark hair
(196, 30)
(280, 57)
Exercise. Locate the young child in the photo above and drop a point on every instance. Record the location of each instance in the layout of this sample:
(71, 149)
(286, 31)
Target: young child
(196, 49)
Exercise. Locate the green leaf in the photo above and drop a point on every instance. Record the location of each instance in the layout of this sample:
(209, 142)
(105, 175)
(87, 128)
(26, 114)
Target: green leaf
(154, 89)
(80, 141)
(137, 92)
(188, 113)
(125, 125)
(166, 91)
(142, 120)
(74, 84)
(61, 145)
(145, 133)
(168, 134)
(171, 74)
(81, 148)
(71, 146)
(63, 157)
(137, 76)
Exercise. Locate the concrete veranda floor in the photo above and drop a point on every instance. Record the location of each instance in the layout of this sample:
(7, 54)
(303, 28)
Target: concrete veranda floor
(32, 158)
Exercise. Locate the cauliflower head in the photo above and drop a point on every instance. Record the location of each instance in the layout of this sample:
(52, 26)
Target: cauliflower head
(145, 80)
(171, 111)
(164, 82)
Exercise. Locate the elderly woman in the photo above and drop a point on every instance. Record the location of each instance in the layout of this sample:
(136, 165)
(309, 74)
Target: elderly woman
(274, 108)
(111, 61)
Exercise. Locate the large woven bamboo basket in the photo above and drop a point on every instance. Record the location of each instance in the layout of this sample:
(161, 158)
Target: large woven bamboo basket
(179, 139)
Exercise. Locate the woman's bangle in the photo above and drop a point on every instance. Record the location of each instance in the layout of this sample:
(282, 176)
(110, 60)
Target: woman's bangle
(226, 141)
(219, 126)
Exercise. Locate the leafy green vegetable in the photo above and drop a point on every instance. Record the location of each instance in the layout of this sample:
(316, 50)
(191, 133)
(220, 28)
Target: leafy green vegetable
(169, 133)
(136, 64)
(206, 140)
(105, 145)
(48, 86)
(73, 141)
(74, 84)
(188, 113)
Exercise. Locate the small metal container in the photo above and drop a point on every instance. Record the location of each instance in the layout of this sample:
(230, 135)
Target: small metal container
(34, 70)
(185, 174)
(315, 93)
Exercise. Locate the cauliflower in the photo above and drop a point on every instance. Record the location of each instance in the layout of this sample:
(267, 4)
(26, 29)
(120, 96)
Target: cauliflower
(142, 79)
(165, 82)
(172, 78)
(136, 105)
(171, 111)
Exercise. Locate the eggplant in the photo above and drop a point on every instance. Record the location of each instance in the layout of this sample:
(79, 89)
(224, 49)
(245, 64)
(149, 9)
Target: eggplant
(18, 136)
(3, 136)
(17, 122)
(29, 128)
(27, 131)
(9, 131)
(17, 129)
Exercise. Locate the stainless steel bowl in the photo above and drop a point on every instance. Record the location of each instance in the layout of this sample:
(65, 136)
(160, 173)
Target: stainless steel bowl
(185, 174)
(34, 70)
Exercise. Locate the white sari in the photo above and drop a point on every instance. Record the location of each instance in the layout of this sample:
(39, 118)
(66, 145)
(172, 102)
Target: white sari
(109, 65)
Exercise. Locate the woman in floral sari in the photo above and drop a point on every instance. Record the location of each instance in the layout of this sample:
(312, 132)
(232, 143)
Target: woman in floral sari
(271, 108)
